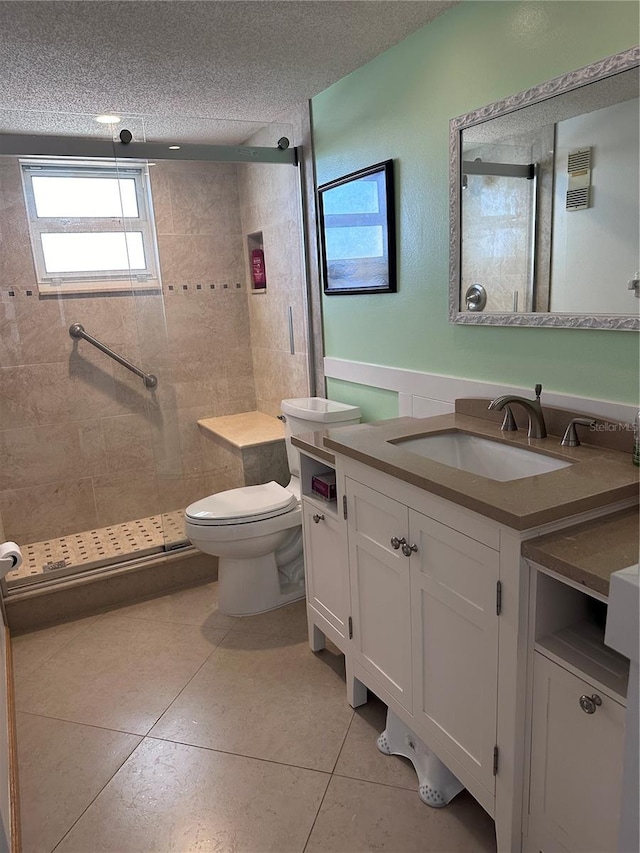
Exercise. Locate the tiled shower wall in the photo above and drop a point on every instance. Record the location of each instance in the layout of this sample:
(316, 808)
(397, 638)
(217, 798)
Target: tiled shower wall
(270, 204)
(82, 442)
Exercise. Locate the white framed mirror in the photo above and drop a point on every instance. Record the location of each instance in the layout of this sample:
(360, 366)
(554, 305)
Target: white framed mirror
(544, 203)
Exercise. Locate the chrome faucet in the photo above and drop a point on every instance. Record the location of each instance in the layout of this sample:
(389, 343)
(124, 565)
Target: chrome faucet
(537, 428)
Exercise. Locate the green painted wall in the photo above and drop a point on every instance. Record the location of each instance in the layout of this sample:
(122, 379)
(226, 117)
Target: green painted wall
(398, 106)
(375, 403)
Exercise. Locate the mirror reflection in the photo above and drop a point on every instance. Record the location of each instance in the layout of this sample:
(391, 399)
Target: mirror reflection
(549, 204)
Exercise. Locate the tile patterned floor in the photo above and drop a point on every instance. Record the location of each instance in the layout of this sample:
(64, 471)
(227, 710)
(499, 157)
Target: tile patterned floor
(167, 727)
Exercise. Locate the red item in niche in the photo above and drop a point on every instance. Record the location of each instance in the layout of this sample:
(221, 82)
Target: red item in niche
(257, 269)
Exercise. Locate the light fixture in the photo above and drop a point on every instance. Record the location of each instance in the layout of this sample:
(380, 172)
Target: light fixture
(174, 148)
(108, 118)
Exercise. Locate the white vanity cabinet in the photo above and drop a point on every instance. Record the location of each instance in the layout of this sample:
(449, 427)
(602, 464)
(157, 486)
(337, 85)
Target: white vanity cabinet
(578, 698)
(432, 605)
(424, 601)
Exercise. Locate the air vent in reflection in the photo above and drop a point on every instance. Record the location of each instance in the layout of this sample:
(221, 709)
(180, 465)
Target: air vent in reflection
(579, 169)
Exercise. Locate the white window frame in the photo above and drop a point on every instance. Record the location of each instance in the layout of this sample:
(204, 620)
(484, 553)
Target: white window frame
(91, 282)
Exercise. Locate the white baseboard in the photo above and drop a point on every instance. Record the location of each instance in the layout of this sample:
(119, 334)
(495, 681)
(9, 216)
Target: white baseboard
(425, 394)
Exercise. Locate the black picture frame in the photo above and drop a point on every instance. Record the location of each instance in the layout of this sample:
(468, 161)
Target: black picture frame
(356, 219)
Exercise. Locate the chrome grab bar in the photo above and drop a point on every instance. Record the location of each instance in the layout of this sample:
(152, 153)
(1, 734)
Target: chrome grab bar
(77, 332)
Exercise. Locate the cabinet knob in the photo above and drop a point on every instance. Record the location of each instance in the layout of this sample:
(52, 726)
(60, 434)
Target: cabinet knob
(408, 550)
(396, 543)
(318, 518)
(590, 703)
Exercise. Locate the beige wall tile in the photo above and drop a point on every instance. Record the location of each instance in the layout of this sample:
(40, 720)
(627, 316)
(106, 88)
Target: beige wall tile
(216, 455)
(273, 464)
(149, 318)
(16, 262)
(127, 443)
(122, 497)
(10, 343)
(49, 454)
(268, 407)
(178, 492)
(224, 478)
(197, 258)
(39, 512)
(204, 199)
(161, 195)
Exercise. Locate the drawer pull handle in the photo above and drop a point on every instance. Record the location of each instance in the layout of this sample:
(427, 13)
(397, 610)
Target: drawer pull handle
(408, 550)
(318, 518)
(396, 543)
(590, 703)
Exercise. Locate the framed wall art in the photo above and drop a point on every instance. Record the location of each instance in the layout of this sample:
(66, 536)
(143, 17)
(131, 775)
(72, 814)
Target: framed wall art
(357, 232)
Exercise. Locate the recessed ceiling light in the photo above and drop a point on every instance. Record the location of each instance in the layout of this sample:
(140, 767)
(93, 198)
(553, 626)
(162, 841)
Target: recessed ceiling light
(108, 118)
(174, 148)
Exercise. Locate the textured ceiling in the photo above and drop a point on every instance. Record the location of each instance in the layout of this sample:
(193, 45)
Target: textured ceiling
(231, 60)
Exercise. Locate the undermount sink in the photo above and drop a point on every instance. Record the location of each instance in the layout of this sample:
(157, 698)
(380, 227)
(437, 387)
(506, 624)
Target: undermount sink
(492, 459)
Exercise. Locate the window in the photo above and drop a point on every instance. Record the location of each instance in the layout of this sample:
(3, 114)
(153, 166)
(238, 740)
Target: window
(91, 225)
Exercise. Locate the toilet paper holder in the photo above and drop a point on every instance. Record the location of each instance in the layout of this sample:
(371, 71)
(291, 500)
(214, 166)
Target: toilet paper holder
(10, 557)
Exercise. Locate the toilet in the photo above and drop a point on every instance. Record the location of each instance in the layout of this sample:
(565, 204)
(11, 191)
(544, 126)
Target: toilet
(256, 531)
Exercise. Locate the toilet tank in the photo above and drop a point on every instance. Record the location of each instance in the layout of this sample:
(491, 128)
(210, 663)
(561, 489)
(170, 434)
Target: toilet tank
(307, 414)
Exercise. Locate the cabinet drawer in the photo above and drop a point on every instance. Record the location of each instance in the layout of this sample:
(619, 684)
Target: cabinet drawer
(576, 761)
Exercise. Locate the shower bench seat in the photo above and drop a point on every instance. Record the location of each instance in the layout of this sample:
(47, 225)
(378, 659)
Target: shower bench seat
(255, 440)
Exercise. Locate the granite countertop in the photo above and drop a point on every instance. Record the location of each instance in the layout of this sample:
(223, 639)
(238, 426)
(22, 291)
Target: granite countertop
(599, 476)
(247, 429)
(589, 553)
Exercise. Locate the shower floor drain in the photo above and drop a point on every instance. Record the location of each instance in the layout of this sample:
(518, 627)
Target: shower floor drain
(94, 548)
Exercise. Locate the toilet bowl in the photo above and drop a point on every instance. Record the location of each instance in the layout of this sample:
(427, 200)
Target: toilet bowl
(256, 531)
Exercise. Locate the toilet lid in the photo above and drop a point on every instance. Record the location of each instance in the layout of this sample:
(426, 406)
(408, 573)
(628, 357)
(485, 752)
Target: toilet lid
(250, 503)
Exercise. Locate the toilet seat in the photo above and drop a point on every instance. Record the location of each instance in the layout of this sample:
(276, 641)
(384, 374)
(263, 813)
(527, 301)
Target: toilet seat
(242, 506)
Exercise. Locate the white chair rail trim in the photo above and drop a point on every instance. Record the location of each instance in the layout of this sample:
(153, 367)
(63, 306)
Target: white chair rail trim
(426, 394)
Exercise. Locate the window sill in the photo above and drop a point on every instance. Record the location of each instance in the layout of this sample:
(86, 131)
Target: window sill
(92, 288)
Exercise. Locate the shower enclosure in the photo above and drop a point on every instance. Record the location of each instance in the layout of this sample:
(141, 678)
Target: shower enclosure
(128, 312)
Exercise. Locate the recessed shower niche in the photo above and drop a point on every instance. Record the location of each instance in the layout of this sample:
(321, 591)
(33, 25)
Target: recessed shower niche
(257, 266)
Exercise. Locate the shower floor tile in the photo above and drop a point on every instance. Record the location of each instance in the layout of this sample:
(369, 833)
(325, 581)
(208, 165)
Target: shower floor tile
(91, 549)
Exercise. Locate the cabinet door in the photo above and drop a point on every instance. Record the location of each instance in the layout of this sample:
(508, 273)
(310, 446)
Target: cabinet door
(455, 643)
(380, 589)
(325, 560)
(576, 762)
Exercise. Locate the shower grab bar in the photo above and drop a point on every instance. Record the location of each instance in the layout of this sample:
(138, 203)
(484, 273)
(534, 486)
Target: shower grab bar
(76, 330)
